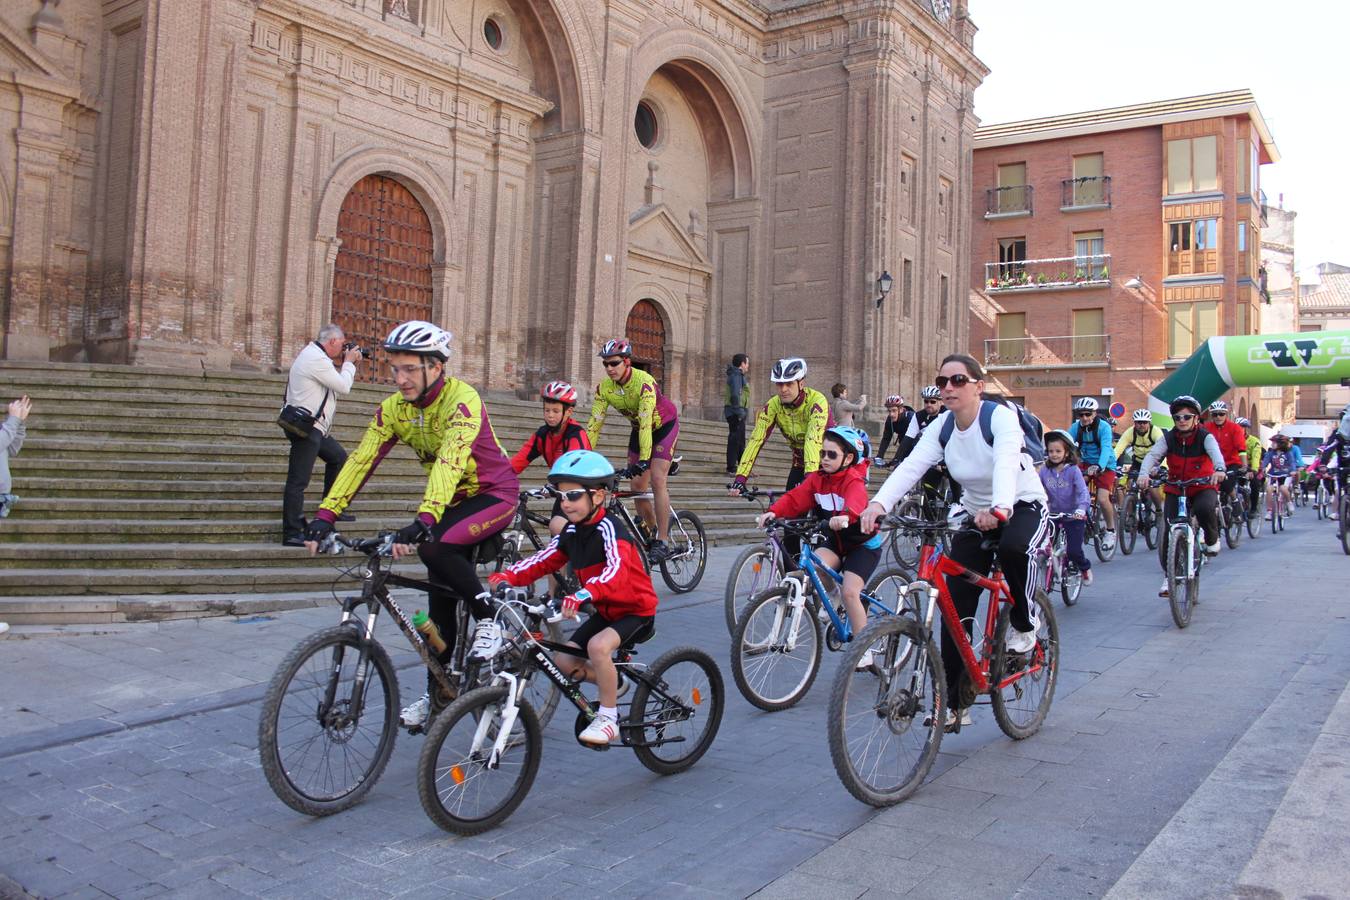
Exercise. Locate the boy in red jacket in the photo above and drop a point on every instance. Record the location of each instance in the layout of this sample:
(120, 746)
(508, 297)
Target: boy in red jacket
(607, 562)
(838, 491)
(559, 433)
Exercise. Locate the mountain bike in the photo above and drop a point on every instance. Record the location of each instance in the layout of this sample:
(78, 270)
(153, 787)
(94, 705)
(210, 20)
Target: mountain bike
(1324, 497)
(924, 503)
(886, 723)
(1233, 510)
(1136, 514)
(1184, 557)
(482, 753)
(683, 569)
(331, 711)
(1277, 503)
(1060, 572)
(1096, 526)
(756, 569)
(1255, 490)
(776, 650)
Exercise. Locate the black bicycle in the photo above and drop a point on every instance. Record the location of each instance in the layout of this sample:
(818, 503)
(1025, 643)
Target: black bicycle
(331, 712)
(481, 755)
(528, 534)
(1136, 514)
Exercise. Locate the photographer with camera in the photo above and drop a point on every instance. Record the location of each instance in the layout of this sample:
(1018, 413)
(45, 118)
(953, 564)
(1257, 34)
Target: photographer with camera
(307, 418)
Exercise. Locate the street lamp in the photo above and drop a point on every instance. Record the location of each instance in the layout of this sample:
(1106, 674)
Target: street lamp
(883, 287)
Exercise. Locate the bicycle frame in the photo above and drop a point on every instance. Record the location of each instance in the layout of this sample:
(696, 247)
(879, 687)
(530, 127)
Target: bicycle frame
(810, 563)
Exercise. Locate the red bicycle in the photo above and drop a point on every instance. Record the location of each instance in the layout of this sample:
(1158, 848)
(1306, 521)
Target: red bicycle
(886, 722)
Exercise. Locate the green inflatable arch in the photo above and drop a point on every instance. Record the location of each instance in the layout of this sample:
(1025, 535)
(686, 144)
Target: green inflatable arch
(1258, 360)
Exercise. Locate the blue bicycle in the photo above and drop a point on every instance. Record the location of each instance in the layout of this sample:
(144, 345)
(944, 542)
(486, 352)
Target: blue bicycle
(776, 650)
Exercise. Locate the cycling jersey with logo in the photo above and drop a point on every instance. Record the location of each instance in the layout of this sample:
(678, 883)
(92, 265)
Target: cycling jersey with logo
(639, 400)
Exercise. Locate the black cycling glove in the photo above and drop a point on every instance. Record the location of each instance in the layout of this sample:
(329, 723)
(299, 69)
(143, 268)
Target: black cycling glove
(317, 530)
(415, 533)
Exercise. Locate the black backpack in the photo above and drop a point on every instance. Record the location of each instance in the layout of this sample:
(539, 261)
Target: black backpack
(1033, 432)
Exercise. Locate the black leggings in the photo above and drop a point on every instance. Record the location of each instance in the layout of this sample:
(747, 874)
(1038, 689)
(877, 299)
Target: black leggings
(451, 565)
(1026, 530)
(1204, 505)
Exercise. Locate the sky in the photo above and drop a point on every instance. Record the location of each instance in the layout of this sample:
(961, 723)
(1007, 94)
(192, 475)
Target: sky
(1059, 56)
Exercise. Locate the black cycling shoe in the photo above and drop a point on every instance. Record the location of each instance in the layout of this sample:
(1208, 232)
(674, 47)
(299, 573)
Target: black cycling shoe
(659, 552)
(293, 541)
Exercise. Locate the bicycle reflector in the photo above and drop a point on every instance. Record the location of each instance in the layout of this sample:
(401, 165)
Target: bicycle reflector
(698, 697)
(457, 773)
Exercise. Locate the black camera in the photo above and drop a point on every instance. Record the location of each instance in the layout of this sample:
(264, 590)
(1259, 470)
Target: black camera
(351, 345)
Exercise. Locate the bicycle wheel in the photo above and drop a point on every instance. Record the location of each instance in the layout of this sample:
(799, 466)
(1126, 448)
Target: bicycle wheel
(1127, 528)
(1255, 520)
(751, 574)
(676, 710)
(543, 695)
(1023, 686)
(885, 723)
(683, 570)
(1070, 583)
(1105, 551)
(318, 758)
(1319, 501)
(1153, 525)
(1343, 524)
(459, 789)
(886, 587)
(1180, 586)
(775, 653)
(905, 544)
(1232, 532)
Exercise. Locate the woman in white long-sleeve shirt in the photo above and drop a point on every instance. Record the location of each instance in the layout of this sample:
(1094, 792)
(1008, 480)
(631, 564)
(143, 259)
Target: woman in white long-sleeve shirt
(1001, 492)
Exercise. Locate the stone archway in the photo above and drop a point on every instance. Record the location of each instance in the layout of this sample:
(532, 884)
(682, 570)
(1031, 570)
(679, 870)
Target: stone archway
(384, 267)
(646, 330)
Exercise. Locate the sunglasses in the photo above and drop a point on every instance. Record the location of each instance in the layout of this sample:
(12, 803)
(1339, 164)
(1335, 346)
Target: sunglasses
(831, 454)
(1183, 417)
(1218, 415)
(955, 381)
(613, 364)
(571, 496)
(1086, 415)
(933, 402)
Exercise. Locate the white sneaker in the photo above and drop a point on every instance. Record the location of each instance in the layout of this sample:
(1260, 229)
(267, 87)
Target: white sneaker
(952, 716)
(416, 714)
(487, 639)
(602, 730)
(1166, 589)
(1109, 540)
(1087, 578)
(1270, 517)
(865, 661)
(1020, 641)
(1212, 549)
(4, 626)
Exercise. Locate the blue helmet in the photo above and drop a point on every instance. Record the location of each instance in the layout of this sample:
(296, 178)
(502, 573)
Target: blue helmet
(585, 467)
(854, 439)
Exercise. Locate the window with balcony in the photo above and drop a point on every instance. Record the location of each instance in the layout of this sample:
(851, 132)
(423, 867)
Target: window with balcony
(1089, 253)
(1193, 165)
(1010, 349)
(1193, 247)
(1089, 187)
(1012, 257)
(1189, 325)
(1089, 335)
(1012, 196)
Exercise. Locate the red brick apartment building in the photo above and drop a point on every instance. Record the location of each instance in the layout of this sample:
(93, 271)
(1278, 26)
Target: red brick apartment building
(1107, 245)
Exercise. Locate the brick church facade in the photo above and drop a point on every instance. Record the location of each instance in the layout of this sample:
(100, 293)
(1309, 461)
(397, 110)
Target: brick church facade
(202, 184)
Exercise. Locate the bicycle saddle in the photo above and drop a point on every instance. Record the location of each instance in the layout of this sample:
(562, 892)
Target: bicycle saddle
(487, 550)
(641, 636)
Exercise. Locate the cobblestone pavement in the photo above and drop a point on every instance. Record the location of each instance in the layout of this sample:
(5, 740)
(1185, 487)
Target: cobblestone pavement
(1173, 764)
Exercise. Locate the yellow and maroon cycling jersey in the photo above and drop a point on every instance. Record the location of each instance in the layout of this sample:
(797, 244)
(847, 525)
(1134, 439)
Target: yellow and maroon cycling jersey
(803, 425)
(640, 401)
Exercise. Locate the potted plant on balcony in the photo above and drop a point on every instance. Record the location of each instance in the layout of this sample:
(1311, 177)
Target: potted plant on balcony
(1041, 279)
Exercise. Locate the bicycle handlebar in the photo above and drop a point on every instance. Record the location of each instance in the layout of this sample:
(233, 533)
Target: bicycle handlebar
(1190, 482)
(535, 494)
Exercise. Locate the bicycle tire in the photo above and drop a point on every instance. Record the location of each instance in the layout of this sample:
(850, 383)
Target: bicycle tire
(1343, 521)
(754, 659)
(471, 707)
(905, 545)
(1319, 502)
(1232, 534)
(1070, 584)
(280, 776)
(1099, 537)
(1127, 528)
(885, 586)
(1179, 583)
(1045, 658)
(891, 699)
(756, 562)
(1255, 521)
(1153, 533)
(647, 702)
(683, 571)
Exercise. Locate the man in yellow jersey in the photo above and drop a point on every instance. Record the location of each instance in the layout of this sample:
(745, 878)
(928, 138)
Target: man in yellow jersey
(471, 491)
(1134, 445)
(651, 443)
(1253, 460)
(800, 412)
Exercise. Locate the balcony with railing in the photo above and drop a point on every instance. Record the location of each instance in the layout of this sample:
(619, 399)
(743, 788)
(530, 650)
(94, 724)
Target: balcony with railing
(1008, 202)
(1073, 351)
(1092, 192)
(1058, 274)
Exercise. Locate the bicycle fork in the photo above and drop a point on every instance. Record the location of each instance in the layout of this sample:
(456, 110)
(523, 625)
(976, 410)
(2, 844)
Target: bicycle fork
(510, 710)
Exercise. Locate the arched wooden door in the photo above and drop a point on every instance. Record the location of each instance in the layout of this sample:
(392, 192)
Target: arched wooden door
(382, 275)
(647, 332)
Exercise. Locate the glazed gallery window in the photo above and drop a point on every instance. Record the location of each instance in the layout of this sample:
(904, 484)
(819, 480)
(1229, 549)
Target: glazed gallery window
(1201, 234)
(1189, 325)
(1193, 165)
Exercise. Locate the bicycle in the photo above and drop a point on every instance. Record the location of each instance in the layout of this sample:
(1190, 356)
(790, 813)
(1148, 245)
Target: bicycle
(1060, 572)
(886, 723)
(1136, 514)
(1233, 511)
(779, 633)
(1183, 562)
(1254, 490)
(683, 569)
(924, 503)
(494, 731)
(1278, 504)
(522, 533)
(315, 756)
(1096, 526)
(1324, 496)
(756, 569)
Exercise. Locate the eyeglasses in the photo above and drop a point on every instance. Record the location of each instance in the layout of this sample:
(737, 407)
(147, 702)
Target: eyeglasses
(1218, 415)
(409, 370)
(1086, 414)
(571, 496)
(831, 454)
(955, 381)
(1183, 417)
(613, 363)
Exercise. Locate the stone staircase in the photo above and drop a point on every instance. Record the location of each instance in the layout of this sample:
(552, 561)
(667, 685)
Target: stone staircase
(139, 481)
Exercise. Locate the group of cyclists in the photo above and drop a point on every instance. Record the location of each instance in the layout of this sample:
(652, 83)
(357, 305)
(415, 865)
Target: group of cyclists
(979, 447)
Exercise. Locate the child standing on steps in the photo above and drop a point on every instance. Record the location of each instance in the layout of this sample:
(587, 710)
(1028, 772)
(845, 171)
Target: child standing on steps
(1068, 494)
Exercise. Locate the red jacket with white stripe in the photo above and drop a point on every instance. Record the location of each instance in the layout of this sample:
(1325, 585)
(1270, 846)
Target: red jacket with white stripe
(606, 561)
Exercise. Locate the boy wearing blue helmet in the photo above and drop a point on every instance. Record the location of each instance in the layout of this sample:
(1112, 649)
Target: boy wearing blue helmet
(607, 562)
(837, 491)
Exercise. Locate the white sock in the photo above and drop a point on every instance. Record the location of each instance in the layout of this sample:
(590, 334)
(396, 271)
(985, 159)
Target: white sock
(610, 712)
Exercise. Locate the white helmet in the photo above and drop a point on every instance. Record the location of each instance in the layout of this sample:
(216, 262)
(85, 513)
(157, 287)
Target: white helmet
(1218, 406)
(930, 392)
(1085, 404)
(421, 338)
(1143, 415)
(791, 368)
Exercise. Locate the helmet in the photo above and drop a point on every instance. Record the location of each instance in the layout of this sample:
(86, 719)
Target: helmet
(616, 347)
(930, 392)
(1218, 406)
(585, 467)
(790, 368)
(560, 391)
(1142, 415)
(854, 438)
(1244, 422)
(421, 338)
(1182, 402)
(895, 400)
(1085, 404)
(1059, 434)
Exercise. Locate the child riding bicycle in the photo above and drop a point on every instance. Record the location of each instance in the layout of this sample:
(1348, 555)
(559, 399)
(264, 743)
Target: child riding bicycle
(1068, 495)
(609, 566)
